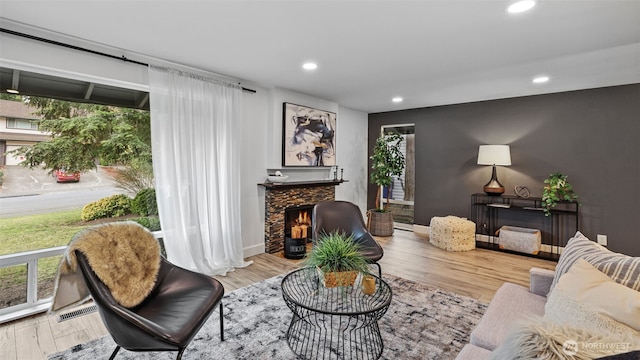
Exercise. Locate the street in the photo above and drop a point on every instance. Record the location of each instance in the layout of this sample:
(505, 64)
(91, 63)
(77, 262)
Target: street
(51, 201)
(29, 192)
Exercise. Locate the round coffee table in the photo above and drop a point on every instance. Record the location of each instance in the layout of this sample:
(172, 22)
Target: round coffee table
(334, 323)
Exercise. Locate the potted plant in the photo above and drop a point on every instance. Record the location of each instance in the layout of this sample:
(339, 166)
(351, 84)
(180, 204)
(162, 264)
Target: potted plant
(338, 259)
(556, 189)
(387, 161)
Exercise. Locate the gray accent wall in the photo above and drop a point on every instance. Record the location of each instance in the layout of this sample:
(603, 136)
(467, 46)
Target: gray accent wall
(593, 136)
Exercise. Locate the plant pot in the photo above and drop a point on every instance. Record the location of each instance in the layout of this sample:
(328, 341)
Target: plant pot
(380, 223)
(335, 279)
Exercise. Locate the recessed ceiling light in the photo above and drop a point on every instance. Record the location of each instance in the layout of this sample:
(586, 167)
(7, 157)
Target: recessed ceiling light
(521, 6)
(397, 99)
(13, 91)
(310, 66)
(540, 79)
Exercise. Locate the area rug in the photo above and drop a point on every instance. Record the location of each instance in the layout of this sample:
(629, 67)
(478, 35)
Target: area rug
(421, 323)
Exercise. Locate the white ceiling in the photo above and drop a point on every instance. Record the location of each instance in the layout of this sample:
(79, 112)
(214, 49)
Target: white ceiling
(428, 52)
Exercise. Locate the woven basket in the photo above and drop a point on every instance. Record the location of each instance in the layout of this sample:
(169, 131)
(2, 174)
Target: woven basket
(519, 239)
(335, 279)
(380, 223)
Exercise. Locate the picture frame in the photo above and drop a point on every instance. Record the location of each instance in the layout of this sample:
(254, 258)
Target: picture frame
(308, 136)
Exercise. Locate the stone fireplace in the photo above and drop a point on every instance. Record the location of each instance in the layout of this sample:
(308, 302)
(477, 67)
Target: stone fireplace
(293, 196)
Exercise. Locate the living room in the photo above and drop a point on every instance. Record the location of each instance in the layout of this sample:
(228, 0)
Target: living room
(590, 132)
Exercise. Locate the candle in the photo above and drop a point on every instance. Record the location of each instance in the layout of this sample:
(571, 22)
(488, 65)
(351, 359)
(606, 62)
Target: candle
(368, 285)
(295, 232)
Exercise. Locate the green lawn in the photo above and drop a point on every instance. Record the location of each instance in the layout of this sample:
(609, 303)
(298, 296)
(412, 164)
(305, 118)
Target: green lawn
(34, 232)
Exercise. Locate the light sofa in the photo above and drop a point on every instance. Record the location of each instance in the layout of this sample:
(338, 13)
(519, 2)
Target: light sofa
(516, 314)
(511, 302)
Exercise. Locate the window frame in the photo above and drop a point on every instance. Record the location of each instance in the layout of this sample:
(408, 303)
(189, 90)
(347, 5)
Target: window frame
(22, 120)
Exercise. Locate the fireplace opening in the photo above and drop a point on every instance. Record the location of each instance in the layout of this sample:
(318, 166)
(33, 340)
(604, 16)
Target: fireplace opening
(297, 231)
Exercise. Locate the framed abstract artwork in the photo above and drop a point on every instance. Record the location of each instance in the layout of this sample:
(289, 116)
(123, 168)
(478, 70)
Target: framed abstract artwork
(308, 136)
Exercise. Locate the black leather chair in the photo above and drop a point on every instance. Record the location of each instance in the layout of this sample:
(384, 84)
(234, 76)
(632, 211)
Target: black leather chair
(168, 319)
(343, 216)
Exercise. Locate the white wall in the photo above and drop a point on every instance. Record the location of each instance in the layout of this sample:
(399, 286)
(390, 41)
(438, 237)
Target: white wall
(264, 116)
(256, 122)
(352, 156)
(262, 121)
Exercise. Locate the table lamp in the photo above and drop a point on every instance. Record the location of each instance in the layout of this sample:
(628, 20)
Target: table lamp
(494, 155)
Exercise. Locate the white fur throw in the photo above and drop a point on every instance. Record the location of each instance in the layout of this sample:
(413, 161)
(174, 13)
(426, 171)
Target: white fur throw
(452, 233)
(537, 338)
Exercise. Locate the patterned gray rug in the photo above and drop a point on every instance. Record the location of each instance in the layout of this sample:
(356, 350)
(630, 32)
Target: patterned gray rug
(422, 323)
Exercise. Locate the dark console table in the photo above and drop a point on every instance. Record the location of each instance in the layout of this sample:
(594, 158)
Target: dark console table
(489, 213)
(333, 323)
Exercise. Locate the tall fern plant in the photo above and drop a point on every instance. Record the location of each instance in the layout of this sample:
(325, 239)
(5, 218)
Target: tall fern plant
(387, 161)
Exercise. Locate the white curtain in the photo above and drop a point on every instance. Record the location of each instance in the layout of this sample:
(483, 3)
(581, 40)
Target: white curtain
(196, 133)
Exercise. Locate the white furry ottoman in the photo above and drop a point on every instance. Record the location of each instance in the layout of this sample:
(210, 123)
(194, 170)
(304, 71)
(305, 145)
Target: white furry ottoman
(452, 233)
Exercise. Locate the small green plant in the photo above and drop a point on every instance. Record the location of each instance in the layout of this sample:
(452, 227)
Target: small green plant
(336, 252)
(111, 206)
(145, 202)
(150, 222)
(387, 161)
(1, 177)
(556, 189)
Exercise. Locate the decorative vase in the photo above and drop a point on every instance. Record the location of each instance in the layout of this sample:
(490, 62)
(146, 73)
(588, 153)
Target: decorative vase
(368, 285)
(380, 223)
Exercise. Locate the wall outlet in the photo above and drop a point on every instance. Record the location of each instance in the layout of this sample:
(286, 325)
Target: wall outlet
(602, 240)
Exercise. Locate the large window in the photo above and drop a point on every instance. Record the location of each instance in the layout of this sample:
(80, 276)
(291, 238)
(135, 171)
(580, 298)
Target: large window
(34, 229)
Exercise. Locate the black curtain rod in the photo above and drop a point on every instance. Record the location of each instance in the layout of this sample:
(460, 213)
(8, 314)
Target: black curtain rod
(68, 46)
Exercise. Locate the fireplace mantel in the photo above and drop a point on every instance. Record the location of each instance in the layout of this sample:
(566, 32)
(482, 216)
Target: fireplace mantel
(301, 184)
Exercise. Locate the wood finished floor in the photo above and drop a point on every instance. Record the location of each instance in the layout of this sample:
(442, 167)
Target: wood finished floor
(477, 274)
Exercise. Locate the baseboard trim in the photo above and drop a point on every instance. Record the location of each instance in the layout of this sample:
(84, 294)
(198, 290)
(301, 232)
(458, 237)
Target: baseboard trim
(253, 250)
(421, 229)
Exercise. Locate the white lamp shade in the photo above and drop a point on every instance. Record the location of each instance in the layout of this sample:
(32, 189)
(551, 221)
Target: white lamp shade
(494, 155)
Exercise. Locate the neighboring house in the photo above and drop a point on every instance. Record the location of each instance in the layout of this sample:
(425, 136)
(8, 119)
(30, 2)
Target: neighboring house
(18, 127)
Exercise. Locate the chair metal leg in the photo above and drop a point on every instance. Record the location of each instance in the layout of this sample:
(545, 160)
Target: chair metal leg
(379, 269)
(221, 323)
(179, 357)
(113, 354)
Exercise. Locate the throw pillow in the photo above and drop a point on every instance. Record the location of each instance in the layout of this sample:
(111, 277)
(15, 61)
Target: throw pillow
(537, 338)
(585, 297)
(621, 268)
